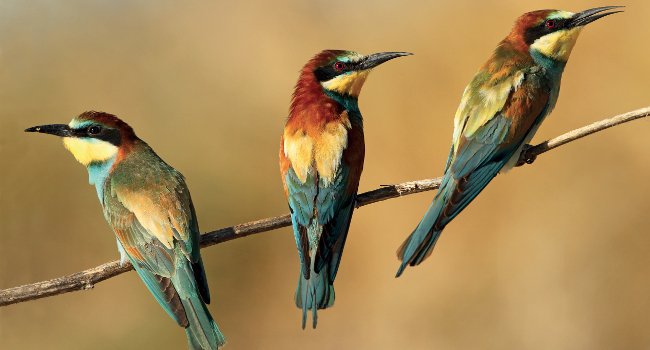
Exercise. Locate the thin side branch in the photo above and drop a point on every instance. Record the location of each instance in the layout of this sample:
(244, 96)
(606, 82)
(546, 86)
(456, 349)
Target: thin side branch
(87, 279)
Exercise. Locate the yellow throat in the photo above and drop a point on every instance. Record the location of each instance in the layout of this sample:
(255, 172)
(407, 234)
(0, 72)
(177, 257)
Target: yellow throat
(88, 150)
(347, 84)
(557, 45)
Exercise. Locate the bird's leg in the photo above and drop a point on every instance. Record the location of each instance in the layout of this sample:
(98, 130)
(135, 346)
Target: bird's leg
(524, 158)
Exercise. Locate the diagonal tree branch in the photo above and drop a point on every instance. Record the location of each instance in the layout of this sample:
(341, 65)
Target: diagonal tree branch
(87, 279)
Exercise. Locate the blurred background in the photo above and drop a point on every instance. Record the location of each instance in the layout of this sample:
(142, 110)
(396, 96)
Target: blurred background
(550, 256)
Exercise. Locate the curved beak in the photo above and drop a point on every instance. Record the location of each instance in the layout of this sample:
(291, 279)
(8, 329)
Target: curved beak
(53, 129)
(588, 16)
(371, 61)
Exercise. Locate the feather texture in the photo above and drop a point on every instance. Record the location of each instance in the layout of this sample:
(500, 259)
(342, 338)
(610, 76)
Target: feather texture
(500, 110)
(321, 159)
(149, 207)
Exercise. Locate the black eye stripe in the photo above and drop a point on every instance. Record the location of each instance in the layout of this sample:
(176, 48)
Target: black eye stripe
(542, 29)
(330, 71)
(98, 132)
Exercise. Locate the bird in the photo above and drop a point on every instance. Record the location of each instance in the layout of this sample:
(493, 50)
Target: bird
(321, 158)
(148, 205)
(500, 111)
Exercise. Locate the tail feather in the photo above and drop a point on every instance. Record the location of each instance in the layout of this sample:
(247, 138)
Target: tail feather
(419, 245)
(314, 293)
(201, 280)
(202, 332)
(454, 195)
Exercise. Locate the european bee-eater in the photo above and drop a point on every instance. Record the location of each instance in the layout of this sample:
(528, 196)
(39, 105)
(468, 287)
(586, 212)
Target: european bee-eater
(499, 113)
(321, 158)
(148, 205)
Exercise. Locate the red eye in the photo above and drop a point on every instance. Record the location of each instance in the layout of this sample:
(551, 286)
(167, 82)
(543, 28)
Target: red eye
(550, 24)
(339, 66)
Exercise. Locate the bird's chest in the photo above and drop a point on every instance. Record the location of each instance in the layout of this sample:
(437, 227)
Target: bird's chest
(318, 149)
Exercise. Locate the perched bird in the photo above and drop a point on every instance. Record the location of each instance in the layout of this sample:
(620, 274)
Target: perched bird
(321, 158)
(499, 113)
(148, 205)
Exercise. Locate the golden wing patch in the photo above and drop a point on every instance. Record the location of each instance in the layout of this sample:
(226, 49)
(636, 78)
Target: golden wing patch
(150, 214)
(322, 151)
(298, 148)
(478, 106)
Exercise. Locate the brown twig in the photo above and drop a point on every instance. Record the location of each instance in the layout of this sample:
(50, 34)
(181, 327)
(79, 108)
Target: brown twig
(87, 279)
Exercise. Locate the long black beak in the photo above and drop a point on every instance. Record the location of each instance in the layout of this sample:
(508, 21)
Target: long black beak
(376, 59)
(53, 129)
(588, 16)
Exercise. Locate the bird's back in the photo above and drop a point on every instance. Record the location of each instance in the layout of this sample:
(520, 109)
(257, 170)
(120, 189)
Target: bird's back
(148, 204)
(499, 112)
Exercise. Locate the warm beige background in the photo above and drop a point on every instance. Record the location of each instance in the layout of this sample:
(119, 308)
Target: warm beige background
(550, 256)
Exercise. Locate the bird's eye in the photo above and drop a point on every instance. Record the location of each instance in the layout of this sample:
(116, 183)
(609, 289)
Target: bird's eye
(339, 66)
(550, 24)
(94, 130)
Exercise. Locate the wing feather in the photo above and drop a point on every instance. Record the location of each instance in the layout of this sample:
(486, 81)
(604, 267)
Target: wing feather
(490, 127)
(153, 217)
(482, 152)
(324, 199)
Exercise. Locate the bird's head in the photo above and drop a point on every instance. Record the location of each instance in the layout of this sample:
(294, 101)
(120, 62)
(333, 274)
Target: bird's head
(553, 33)
(343, 72)
(92, 137)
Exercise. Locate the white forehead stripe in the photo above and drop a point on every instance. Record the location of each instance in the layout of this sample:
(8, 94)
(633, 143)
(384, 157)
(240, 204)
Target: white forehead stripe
(561, 15)
(78, 124)
(350, 58)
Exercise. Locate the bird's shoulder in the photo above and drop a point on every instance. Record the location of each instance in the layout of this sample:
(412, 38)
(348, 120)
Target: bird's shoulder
(143, 188)
(142, 169)
(321, 146)
(498, 86)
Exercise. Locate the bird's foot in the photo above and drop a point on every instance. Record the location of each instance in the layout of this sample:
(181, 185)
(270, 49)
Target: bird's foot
(525, 158)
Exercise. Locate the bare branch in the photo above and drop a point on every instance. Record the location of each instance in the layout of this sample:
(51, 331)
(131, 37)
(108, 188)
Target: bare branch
(585, 131)
(87, 279)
